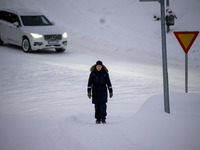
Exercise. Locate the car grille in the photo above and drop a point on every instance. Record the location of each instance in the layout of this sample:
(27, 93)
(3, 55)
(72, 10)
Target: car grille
(53, 37)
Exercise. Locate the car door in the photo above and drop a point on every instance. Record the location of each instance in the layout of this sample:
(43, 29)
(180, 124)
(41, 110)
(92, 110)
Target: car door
(14, 32)
(4, 25)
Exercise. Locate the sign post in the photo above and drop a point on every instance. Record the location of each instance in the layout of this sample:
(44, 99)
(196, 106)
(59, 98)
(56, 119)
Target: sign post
(186, 73)
(186, 39)
(164, 54)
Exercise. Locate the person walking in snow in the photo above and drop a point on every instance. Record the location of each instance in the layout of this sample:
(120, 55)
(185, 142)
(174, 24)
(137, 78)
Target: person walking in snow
(98, 85)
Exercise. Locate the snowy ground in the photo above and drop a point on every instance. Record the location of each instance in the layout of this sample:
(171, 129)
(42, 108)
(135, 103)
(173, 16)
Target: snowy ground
(43, 99)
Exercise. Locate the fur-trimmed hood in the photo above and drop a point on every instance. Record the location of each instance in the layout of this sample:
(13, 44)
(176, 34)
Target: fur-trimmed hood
(94, 67)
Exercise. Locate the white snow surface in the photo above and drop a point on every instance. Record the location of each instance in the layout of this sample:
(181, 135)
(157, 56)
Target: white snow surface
(43, 95)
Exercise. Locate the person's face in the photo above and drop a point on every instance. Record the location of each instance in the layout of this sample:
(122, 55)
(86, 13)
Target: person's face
(98, 67)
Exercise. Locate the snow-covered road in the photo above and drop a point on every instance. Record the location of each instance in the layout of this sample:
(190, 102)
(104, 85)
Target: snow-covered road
(50, 83)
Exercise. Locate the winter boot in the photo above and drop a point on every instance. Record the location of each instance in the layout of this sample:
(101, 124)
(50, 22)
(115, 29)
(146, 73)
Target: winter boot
(98, 121)
(103, 121)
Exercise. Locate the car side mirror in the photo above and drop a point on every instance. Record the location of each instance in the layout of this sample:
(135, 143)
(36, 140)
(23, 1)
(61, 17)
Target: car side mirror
(16, 24)
(53, 23)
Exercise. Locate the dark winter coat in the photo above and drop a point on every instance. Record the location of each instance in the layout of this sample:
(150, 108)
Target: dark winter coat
(98, 84)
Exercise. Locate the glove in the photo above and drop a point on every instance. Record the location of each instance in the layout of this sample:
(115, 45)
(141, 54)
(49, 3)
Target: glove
(111, 95)
(89, 95)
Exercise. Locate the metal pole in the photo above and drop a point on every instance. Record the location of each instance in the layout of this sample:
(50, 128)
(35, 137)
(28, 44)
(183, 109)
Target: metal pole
(164, 54)
(167, 3)
(164, 58)
(186, 73)
(168, 27)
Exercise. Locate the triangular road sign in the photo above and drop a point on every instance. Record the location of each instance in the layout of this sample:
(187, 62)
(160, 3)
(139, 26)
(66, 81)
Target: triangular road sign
(186, 39)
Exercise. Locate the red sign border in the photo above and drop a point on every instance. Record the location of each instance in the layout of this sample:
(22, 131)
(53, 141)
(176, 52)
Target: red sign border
(176, 33)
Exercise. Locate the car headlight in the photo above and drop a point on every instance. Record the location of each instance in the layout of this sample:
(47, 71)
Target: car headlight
(35, 35)
(64, 35)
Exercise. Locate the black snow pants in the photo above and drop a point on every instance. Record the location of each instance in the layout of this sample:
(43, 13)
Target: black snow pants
(100, 111)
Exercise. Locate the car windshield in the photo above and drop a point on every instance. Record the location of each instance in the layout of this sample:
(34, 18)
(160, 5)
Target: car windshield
(35, 21)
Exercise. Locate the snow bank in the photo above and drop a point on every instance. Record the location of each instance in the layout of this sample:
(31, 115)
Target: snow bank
(149, 129)
(177, 130)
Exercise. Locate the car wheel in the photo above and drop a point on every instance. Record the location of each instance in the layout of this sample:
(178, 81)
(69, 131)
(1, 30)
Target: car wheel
(26, 45)
(60, 49)
(1, 42)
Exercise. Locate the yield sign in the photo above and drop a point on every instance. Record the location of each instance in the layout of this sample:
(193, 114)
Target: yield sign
(186, 39)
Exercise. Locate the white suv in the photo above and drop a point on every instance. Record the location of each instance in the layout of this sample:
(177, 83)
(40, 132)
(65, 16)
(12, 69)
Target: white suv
(30, 30)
